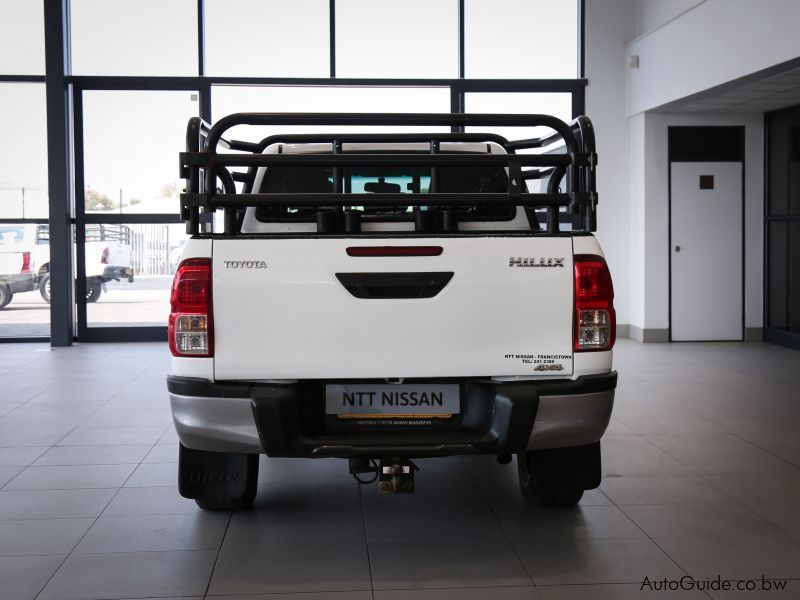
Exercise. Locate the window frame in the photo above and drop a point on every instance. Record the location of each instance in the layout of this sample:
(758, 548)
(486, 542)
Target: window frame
(65, 126)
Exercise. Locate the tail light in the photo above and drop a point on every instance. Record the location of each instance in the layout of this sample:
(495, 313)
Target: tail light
(26, 262)
(104, 258)
(191, 330)
(595, 319)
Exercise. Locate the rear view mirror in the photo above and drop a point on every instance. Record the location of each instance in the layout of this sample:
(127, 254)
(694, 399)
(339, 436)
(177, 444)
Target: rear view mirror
(381, 187)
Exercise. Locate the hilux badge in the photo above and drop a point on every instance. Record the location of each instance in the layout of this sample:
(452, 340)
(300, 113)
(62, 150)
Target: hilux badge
(535, 261)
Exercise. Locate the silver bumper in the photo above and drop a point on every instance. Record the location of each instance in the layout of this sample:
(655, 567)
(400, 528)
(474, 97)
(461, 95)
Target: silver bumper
(228, 425)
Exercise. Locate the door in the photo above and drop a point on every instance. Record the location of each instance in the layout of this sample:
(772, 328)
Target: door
(706, 251)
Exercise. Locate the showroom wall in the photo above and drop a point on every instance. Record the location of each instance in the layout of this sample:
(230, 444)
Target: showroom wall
(610, 24)
(680, 58)
(624, 102)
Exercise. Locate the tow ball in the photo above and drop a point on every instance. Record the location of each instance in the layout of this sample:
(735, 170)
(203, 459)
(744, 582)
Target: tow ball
(394, 475)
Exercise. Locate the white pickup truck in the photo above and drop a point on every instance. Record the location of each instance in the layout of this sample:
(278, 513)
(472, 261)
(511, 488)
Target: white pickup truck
(16, 271)
(107, 251)
(388, 297)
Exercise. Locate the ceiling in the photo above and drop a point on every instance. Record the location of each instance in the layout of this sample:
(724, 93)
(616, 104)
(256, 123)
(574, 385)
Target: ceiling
(761, 92)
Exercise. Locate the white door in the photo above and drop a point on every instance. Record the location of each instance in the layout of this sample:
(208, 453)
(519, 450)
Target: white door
(706, 227)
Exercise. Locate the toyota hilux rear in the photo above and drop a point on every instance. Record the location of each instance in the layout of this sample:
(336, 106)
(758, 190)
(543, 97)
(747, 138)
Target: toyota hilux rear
(383, 297)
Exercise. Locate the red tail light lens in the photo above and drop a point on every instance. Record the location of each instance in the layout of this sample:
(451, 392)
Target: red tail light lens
(26, 262)
(104, 257)
(191, 317)
(595, 319)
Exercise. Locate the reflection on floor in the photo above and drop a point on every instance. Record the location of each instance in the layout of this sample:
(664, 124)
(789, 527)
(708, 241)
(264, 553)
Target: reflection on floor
(702, 477)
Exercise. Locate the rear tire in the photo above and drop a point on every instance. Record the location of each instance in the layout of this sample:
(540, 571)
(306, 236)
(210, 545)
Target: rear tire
(5, 295)
(93, 289)
(218, 481)
(44, 286)
(558, 476)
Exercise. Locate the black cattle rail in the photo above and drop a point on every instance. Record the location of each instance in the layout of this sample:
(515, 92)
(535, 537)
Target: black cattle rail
(211, 184)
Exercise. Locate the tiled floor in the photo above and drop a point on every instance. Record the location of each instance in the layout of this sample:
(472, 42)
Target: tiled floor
(702, 478)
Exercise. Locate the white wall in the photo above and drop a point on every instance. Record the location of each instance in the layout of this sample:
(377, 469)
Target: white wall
(633, 214)
(651, 14)
(713, 43)
(654, 270)
(609, 24)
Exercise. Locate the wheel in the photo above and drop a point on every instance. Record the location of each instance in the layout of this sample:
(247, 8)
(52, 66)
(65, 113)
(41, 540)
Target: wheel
(558, 476)
(5, 295)
(93, 289)
(44, 287)
(218, 481)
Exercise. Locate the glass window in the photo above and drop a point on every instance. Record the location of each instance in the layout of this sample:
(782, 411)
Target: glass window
(555, 104)
(521, 39)
(231, 99)
(23, 159)
(146, 37)
(267, 38)
(387, 39)
(129, 269)
(21, 37)
(24, 266)
(131, 145)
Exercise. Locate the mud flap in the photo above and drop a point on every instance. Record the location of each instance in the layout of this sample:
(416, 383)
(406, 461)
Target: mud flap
(204, 475)
(574, 467)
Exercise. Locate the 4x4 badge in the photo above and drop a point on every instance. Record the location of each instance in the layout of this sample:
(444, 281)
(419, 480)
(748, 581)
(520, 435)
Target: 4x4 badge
(536, 261)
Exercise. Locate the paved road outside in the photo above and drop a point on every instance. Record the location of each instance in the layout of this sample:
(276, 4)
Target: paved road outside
(143, 302)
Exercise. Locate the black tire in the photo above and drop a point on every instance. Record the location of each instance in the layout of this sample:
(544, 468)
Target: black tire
(5, 295)
(44, 286)
(93, 289)
(558, 476)
(218, 481)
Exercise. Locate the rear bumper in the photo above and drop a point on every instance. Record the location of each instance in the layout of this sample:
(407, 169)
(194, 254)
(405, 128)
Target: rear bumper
(20, 282)
(287, 419)
(117, 273)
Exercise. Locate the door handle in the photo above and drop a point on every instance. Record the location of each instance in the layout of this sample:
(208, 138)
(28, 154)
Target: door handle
(677, 248)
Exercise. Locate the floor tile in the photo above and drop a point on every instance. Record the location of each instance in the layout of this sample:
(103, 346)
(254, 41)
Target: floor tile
(9, 473)
(629, 591)
(104, 436)
(595, 561)
(21, 578)
(663, 489)
(199, 530)
(776, 555)
(41, 537)
(93, 455)
(21, 456)
(155, 474)
(162, 453)
(264, 569)
(53, 504)
(757, 489)
(131, 575)
(71, 477)
(446, 565)
(484, 593)
(150, 501)
(698, 520)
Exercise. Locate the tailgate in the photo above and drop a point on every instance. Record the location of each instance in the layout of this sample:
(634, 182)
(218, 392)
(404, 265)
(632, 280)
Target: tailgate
(283, 310)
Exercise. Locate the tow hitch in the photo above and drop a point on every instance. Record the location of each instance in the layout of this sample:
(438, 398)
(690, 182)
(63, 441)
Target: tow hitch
(394, 475)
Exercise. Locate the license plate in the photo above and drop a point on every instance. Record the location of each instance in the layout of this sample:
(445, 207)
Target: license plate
(386, 401)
